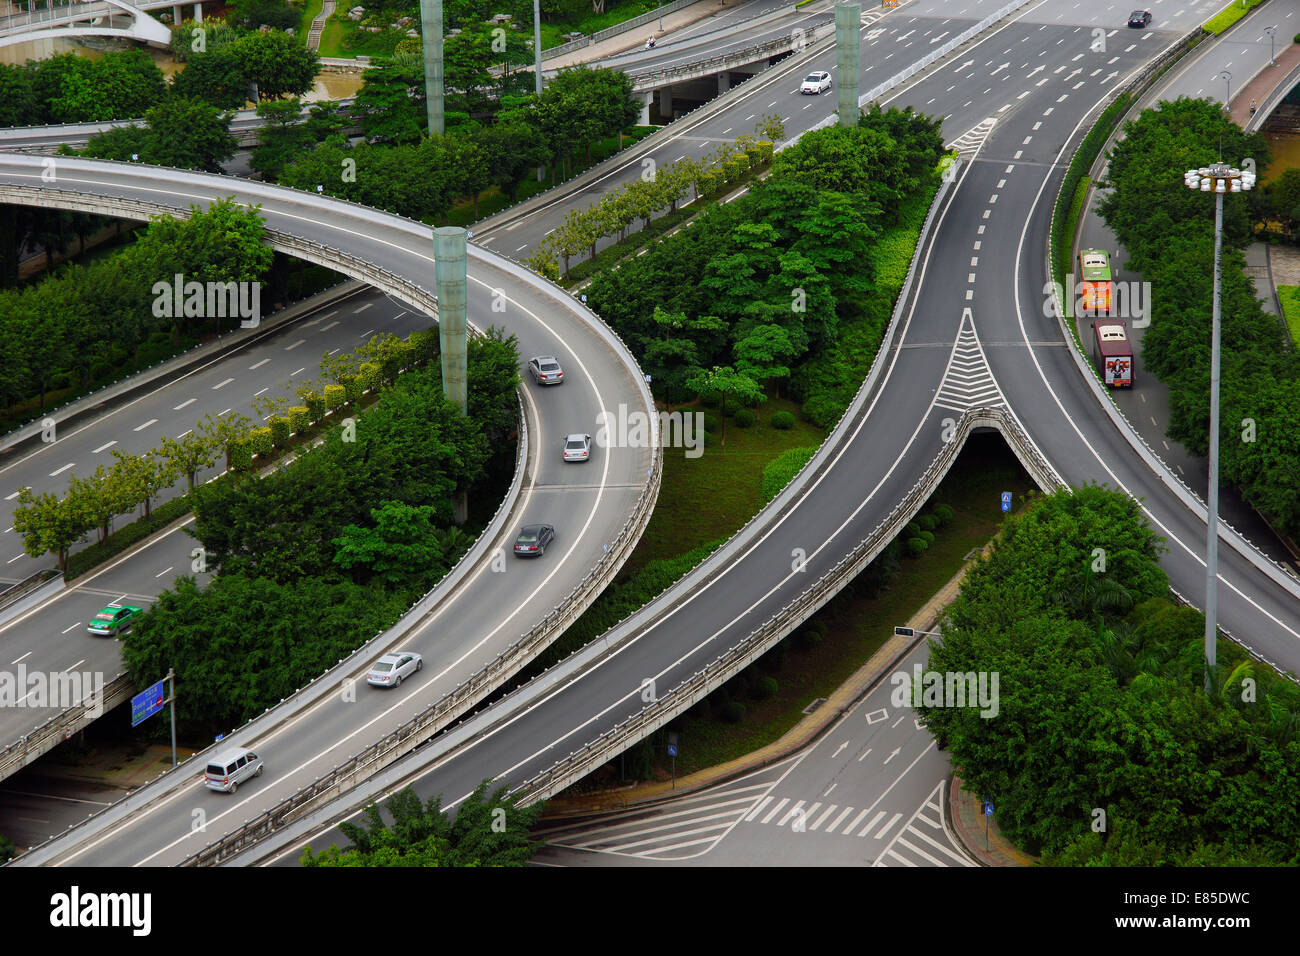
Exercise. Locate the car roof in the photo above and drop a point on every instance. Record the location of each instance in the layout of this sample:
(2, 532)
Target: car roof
(534, 528)
(576, 435)
(226, 756)
(545, 358)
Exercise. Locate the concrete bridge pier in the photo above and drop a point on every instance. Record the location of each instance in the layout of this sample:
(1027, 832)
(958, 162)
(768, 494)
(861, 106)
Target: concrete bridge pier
(646, 99)
(666, 102)
(198, 13)
(724, 82)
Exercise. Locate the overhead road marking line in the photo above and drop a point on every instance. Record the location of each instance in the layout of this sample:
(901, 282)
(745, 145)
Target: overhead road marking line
(140, 428)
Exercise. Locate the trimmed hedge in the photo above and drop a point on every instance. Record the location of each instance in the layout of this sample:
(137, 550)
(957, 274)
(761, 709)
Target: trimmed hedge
(781, 469)
(315, 406)
(335, 396)
(279, 426)
(299, 419)
(260, 441)
(121, 539)
(743, 418)
(782, 420)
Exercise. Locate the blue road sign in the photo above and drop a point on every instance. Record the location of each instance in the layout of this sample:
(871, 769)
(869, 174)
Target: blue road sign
(988, 809)
(1006, 501)
(147, 703)
(672, 750)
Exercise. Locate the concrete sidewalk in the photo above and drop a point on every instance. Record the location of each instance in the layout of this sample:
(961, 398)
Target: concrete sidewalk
(980, 834)
(1263, 83)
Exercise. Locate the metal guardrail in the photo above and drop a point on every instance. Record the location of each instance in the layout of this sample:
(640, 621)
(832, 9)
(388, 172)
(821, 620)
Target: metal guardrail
(615, 30)
(730, 662)
(513, 658)
(1280, 573)
(440, 715)
(641, 82)
(63, 725)
(27, 585)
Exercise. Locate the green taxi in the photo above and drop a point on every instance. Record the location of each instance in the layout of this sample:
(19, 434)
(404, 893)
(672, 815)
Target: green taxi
(113, 619)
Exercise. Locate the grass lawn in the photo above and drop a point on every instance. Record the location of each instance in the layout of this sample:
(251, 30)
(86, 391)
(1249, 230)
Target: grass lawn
(310, 11)
(710, 497)
(856, 627)
(1289, 295)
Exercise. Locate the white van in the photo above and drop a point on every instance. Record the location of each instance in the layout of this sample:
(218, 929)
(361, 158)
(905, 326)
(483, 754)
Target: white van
(226, 771)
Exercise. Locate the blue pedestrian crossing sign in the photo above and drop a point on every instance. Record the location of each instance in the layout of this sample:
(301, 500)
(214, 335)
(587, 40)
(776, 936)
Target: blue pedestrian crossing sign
(672, 750)
(1006, 501)
(147, 703)
(988, 808)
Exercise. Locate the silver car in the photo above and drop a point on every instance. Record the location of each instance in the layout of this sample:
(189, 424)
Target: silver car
(389, 670)
(577, 447)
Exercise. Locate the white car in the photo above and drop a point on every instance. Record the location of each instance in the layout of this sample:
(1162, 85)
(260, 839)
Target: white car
(819, 81)
(577, 448)
(389, 670)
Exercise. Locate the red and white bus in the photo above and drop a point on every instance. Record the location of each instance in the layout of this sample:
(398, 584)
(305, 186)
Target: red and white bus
(1113, 352)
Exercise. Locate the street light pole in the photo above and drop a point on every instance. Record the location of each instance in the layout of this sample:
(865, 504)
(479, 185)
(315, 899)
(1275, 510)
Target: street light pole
(1227, 88)
(1218, 179)
(1269, 31)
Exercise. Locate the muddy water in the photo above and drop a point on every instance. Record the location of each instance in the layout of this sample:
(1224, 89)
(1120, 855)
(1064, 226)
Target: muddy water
(1286, 154)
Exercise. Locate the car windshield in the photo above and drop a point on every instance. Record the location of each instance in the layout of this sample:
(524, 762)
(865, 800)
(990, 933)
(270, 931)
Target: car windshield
(550, 367)
(527, 537)
(216, 770)
(812, 79)
(576, 443)
(383, 666)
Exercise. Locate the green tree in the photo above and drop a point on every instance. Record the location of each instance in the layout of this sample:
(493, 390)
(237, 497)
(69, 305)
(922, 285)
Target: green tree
(730, 384)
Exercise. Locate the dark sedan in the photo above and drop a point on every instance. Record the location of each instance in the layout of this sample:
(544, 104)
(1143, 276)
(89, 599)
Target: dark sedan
(1139, 18)
(533, 540)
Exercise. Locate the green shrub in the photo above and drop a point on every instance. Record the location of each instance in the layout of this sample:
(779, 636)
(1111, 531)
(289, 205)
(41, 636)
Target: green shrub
(943, 514)
(913, 530)
(279, 426)
(335, 396)
(732, 171)
(352, 387)
(710, 423)
(315, 405)
(916, 546)
(743, 418)
(369, 375)
(927, 522)
(124, 537)
(708, 182)
(781, 469)
(424, 345)
(782, 420)
(928, 536)
(710, 399)
(299, 420)
(764, 688)
(732, 712)
(241, 454)
(260, 441)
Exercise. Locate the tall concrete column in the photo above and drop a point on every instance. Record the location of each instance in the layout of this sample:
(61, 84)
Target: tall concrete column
(848, 48)
(451, 268)
(666, 102)
(646, 99)
(431, 29)
(198, 13)
(178, 14)
(724, 82)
